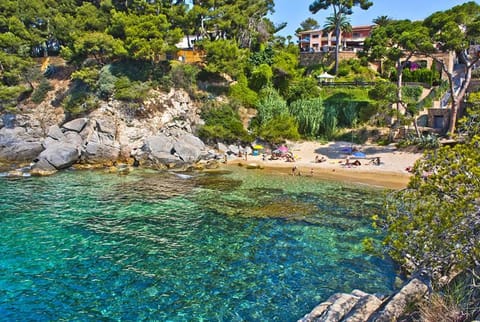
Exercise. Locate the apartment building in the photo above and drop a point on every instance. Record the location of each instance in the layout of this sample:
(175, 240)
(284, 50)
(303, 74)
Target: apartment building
(322, 41)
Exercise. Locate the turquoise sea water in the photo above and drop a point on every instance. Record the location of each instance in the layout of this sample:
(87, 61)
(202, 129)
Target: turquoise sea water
(150, 246)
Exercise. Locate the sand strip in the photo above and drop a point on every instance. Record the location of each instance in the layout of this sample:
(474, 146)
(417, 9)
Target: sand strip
(391, 173)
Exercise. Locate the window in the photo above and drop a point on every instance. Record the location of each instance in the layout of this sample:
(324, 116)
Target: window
(438, 122)
(314, 36)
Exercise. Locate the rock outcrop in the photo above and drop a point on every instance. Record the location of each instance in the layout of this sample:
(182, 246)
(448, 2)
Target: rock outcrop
(363, 307)
(17, 145)
(158, 134)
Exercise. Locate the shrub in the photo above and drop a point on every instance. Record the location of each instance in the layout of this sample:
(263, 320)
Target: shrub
(79, 100)
(222, 123)
(106, 82)
(88, 75)
(303, 88)
(270, 105)
(242, 93)
(412, 93)
(309, 115)
(457, 301)
(41, 91)
(9, 96)
(127, 90)
(183, 75)
(280, 128)
(429, 141)
(439, 212)
(261, 77)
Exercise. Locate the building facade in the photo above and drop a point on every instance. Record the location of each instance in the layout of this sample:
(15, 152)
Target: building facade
(322, 41)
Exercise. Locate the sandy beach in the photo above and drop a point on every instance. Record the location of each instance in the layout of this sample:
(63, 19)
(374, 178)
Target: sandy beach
(391, 173)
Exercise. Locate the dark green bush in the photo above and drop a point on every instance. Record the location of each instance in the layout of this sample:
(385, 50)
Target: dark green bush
(222, 124)
(261, 76)
(183, 75)
(280, 128)
(126, 90)
(412, 93)
(303, 88)
(88, 75)
(240, 92)
(79, 100)
(41, 91)
(106, 82)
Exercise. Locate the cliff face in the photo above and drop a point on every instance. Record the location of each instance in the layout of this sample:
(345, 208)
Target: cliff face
(160, 133)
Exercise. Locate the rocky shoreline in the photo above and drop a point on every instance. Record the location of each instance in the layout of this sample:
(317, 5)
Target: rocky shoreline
(359, 306)
(157, 135)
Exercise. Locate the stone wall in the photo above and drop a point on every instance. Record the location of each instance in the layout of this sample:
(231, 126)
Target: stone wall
(436, 113)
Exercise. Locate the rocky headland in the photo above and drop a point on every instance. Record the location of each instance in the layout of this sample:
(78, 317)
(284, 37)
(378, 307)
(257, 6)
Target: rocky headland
(158, 134)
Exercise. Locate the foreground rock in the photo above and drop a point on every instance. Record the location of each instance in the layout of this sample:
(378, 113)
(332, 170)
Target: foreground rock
(362, 307)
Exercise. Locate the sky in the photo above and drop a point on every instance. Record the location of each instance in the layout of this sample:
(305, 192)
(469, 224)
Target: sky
(295, 11)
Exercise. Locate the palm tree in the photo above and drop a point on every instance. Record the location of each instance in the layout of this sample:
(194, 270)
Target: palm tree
(382, 21)
(339, 23)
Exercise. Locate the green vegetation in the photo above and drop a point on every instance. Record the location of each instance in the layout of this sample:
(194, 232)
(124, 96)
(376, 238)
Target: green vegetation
(41, 91)
(309, 115)
(433, 224)
(120, 50)
(222, 123)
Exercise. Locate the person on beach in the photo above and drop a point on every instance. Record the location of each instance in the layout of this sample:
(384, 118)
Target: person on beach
(375, 161)
(320, 159)
(295, 171)
(347, 161)
(356, 163)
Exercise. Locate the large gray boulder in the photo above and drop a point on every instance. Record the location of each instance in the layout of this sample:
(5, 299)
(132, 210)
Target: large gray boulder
(157, 151)
(413, 292)
(107, 125)
(100, 148)
(55, 133)
(16, 145)
(73, 138)
(9, 136)
(158, 144)
(76, 125)
(59, 156)
(189, 148)
(21, 151)
(366, 305)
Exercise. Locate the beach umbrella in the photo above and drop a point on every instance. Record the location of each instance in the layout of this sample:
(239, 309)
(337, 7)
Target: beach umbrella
(258, 147)
(359, 154)
(283, 149)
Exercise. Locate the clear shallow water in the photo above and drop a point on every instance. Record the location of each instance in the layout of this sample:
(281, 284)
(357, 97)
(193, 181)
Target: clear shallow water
(89, 246)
